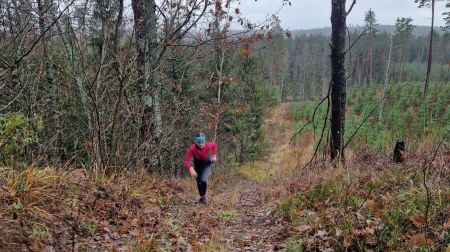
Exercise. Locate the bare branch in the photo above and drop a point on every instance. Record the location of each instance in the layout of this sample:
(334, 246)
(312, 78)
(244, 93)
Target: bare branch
(327, 98)
(351, 7)
(299, 131)
(323, 131)
(43, 34)
(356, 40)
(427, 189)
(365, 120)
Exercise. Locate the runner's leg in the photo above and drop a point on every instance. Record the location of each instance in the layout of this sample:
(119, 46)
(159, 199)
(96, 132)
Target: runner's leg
(204, 179)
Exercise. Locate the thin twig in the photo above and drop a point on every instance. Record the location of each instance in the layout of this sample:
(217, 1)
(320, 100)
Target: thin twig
(312, 118)
(323, 128)
(43, 34)
(364, 201)
(299, 131)
(364, 121)
(428, 200)
(356, 40)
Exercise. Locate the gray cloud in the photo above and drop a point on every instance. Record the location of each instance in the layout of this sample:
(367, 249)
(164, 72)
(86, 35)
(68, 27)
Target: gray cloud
(306, 14)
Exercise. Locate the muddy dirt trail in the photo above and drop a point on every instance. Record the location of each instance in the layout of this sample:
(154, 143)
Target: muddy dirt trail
(239, 215)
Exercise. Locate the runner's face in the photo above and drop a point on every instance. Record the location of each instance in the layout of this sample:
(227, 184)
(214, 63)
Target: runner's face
(200, 145)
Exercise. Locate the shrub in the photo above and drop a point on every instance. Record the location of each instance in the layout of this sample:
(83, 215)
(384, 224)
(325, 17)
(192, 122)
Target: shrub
(17, 132)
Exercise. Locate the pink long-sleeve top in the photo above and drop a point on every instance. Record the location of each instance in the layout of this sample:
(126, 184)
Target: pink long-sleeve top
(199, 154)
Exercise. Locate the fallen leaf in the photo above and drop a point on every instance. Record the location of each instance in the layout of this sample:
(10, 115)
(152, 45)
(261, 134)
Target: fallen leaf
(319, 206)
(122, 230)
(338, 232)
(418, 220)
(417, 240)
(447, 226)
(322, 234)
(368, 230)
(304, 228)
(372, 205)
(347, 241)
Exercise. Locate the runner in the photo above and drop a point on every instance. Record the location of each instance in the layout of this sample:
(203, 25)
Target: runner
(201, 170)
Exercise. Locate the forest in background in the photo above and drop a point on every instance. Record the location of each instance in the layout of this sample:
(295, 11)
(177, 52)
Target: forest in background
(76, 89)
(300, 65)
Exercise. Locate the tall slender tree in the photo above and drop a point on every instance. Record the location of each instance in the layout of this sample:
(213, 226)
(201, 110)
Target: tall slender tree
(403, 31)
(145, 27)
(276, 34)
(371, 30)
(386, 80)
(428, 4)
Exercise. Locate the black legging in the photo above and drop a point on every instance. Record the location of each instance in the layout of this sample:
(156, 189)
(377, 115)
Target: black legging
(203, 169)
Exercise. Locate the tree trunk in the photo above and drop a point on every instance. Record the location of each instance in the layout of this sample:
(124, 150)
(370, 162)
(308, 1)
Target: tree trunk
(338, 89)
(145, 26)
(277, 66)
(400, 70)
(43, 10)
(446, 77)
(324, 78)
(386, 80)
(80, 87)
(403, 66)
(304, 83)
(359, 72)
(430, 50)
(369, 62)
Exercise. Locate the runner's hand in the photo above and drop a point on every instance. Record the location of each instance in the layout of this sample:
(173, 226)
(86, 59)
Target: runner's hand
(214, 158)
(192, 172)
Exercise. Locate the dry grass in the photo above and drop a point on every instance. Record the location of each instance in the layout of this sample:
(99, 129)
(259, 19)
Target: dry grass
(371, 205)
(42, 208)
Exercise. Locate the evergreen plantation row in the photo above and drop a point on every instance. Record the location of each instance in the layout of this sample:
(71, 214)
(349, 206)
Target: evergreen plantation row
(406, 115)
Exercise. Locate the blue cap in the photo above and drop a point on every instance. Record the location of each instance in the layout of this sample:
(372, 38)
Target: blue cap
(199, 139)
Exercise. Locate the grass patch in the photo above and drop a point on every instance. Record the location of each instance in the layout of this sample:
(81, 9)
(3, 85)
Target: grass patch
(227, 215)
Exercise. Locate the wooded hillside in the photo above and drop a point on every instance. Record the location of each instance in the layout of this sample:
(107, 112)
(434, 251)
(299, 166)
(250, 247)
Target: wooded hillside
(113, 114)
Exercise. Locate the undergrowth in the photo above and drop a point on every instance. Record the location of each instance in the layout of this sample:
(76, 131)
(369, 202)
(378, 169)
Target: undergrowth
(371, 207)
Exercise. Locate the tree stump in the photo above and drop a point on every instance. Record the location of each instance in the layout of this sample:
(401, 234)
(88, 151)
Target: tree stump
(399, 152)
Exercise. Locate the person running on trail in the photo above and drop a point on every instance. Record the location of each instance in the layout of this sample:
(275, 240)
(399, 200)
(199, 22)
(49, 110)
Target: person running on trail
(201, 170)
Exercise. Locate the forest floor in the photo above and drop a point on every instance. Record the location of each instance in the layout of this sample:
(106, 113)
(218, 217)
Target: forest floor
(239, 215)
(265, 205)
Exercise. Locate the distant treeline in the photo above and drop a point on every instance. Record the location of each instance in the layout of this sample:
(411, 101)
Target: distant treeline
(390, 29)
(299, 65)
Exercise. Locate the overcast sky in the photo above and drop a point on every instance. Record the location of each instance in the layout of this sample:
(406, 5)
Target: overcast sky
(307, 14)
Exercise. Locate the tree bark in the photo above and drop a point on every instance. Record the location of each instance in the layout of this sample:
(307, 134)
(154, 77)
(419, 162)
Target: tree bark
(386, 80)
(430, 50)
(369, 62)
(338, 89)
(324, 80)
(145, 26)
(220, 55)
(446, 77)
